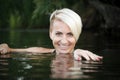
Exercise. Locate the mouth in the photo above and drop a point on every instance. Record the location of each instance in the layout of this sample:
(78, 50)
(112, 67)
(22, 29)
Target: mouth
(62, 47)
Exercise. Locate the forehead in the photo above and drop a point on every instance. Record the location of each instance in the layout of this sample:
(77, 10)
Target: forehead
(60, 25)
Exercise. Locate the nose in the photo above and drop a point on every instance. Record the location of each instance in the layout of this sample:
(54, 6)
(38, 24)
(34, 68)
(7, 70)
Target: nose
(64, 40)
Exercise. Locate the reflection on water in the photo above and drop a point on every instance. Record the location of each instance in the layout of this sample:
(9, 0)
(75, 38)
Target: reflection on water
(26, 66)
(60, 66)
(47, 66)
(64, 66)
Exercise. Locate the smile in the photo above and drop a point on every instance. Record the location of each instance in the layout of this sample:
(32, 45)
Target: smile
(63, 47)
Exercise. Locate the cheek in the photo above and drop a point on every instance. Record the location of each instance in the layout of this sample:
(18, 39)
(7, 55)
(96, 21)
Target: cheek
(73, 41)
(55, 40)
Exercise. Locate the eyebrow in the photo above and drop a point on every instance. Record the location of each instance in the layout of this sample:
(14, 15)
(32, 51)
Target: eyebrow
(69, 33)
(58, 31)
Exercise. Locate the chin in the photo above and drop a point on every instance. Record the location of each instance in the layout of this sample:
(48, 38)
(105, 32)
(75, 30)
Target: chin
(64, 52)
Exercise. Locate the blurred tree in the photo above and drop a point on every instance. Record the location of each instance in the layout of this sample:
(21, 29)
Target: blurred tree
(43, 10)
(35, 13)
(10, 11)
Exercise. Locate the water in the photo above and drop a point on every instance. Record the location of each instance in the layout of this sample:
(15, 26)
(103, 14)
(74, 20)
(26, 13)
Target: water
(26, 66)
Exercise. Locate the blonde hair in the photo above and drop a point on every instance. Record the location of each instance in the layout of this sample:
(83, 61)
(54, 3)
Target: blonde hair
(72, 19)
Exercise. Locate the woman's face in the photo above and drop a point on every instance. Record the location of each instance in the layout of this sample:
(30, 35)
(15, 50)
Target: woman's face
(62, 37)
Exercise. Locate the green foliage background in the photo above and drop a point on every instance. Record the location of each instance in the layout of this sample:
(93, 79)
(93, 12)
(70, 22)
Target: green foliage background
(19, 14)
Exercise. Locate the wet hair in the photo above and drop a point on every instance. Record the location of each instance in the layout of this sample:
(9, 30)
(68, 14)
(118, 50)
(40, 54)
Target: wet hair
(69, 17)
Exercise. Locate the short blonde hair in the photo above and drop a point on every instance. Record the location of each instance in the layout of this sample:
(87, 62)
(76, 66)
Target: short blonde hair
(72, 19)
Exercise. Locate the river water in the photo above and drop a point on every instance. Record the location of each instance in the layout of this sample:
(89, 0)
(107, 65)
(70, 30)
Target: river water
(28, 66)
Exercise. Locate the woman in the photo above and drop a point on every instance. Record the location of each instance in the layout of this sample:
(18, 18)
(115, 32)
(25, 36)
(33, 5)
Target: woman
(65, 28)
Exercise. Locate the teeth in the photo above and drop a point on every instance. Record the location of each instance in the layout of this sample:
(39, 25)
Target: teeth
(64, 47)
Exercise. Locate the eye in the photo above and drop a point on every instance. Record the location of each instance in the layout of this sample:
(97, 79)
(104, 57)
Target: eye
(70, 34)
(58, 33)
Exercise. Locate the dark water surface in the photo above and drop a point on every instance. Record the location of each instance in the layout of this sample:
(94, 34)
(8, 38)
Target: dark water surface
(26, 66)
